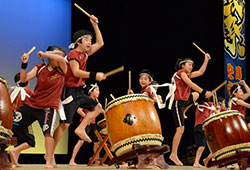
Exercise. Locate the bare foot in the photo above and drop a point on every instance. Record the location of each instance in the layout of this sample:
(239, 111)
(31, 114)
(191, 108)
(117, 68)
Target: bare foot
(176, 160)
(206, 161)
(198, 166)
(82, 135)
(48, 166)
(13, 157)
(72, 163)
(54, 162)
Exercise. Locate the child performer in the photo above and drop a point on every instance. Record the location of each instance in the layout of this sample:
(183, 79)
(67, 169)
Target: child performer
(202, 112)
(238, 100)
(146, 78)
(18, 95)
(222, 104)
(75, 81)
(183, 97)
(44, 102)
(94, 92)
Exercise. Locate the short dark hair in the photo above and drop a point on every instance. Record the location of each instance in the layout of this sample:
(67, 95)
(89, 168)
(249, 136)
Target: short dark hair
(17, 79)
(80, 33)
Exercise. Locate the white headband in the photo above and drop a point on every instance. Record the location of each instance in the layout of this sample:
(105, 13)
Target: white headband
(147, 75)
(93, 86)
(183, 61)
(54, 52)
(72, 45)
(238, 88)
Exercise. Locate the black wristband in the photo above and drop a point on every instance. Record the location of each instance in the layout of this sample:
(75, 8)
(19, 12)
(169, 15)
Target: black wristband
(92, 76)
(24, 65)
(203, 93)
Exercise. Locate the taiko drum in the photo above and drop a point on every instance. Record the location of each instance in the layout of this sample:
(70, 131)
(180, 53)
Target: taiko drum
(132, 119)
(225, 133)
(5, 106)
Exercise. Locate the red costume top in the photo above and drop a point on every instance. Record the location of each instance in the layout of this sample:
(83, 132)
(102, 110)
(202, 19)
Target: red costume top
(81, 58)
(235, 106)
(48, 90)
(182, 91)
(202, 113)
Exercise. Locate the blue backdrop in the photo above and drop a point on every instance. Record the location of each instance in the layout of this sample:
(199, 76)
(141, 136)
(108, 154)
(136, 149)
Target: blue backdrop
(28, 23)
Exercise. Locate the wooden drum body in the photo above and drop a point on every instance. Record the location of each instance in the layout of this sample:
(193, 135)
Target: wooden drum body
(6, 115)
(225, 133)
(132, 119)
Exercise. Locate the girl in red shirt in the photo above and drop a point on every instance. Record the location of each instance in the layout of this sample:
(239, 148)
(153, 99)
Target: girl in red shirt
(183, 97)
(44, 102)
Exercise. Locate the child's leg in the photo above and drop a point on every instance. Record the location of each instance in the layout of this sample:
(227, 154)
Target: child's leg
(175, 144)
(75, 151)
(15, 153)
(207, 159)
(49, 147)
(197, 157)
(80, 130)
(96, 145)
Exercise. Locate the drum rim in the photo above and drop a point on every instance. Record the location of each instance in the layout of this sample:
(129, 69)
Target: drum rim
(127, 98)
(221, 115)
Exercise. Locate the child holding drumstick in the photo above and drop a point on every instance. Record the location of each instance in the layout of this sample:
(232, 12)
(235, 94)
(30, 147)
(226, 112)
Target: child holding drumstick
(183, 97)
(93, 92)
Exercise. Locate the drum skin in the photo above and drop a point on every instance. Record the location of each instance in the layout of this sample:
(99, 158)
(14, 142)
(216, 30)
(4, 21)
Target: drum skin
(6, 116)
(132, 119)
(225, 133)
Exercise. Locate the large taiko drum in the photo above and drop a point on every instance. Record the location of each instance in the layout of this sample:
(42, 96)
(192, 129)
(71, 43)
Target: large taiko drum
(6, 115)
(132, 119)
(225, 133)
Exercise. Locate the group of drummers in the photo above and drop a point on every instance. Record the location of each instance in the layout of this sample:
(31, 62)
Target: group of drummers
(59, 89)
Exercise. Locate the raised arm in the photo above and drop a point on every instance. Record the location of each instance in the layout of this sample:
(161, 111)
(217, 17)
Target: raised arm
(202, 69)
(247, 94)
(24, 76)
(56, 57)
(99, 40)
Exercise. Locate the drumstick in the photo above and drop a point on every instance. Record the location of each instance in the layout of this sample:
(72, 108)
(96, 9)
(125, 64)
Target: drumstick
(85, 12)
(129, 80)
(199, 48)
(31, 50)
(220, 86)
(106, 103)
(114, 71)
(111, 95)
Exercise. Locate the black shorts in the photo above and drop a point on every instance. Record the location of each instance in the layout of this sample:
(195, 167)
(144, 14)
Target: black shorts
(25, 116)
(90, 130)
(199, 136)
(178, 110)
(80, 99)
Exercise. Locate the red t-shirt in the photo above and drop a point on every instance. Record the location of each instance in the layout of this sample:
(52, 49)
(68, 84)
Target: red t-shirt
(240, 108)
(201, 116)
(182, 91)
(48, 90)
(148, 90)
(81, 58)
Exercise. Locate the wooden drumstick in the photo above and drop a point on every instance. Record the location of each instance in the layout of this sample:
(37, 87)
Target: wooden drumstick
(31, 50)
(106, 103)
(129, 80)
(220, 86)
(85, 12)
(199, 48)
(111, 95)
(114, 71)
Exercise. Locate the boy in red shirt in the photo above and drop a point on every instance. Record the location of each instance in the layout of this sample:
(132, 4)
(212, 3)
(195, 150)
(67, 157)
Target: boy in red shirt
(75, 81)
